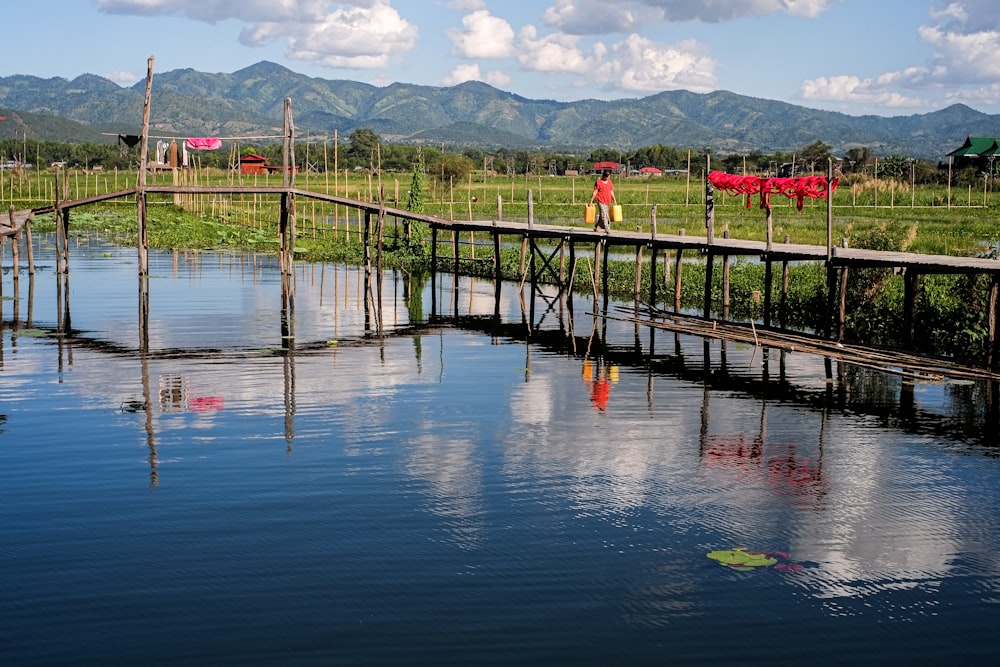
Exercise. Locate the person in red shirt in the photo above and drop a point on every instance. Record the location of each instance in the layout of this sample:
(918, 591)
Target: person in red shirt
(604, 193)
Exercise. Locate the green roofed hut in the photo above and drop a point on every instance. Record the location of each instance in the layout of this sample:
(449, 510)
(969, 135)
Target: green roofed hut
(975, 149)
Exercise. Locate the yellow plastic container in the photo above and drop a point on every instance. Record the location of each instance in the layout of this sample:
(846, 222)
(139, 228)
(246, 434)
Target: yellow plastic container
(616, 213)
(589, 213)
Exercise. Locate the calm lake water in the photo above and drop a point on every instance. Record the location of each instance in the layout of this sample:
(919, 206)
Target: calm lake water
(277, 479)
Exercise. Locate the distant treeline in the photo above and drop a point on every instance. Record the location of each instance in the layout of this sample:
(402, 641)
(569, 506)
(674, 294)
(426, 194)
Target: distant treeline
(365, 150)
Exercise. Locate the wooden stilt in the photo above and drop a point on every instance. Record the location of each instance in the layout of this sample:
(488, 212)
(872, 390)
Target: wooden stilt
(842, 308)
(993, 352)
(677, 280)
(709, 270)
(911, 278)
(768, 285)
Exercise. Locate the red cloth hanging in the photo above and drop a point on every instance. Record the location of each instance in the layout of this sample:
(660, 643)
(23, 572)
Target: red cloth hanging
(798, 188)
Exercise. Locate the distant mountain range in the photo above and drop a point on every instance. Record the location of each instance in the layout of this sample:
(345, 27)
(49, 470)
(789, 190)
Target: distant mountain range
(249, 102)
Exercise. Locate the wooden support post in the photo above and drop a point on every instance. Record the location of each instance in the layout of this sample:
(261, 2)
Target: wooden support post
(292, 231)
(725, 281)
(497, 259)
(283, 235)
(770, 229)
(142, 233)
(16, 259)
(768, 285)
(524, 252)
(709, 271)
(785, 279)
(367, 244)
(562, 263)
(604, 273)
(533, 267)
(709, 203)
(677, 280)
(497, 274)
(638, 272)
(910, 305)
(65, 236)
(654, 252)
(31, 250)
(829, 209)
(993, 352)
(831, 296)
(842, 308)
(60, 178)
(434, 249)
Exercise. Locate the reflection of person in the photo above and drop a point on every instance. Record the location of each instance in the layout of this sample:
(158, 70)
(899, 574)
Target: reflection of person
(599, 384)
(604, 193)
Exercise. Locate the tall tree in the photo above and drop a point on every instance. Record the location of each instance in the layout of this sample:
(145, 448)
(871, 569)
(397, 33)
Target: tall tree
(364, 146)
(415, 197)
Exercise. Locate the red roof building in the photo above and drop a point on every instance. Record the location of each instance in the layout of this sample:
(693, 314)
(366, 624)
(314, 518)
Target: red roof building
(253, 164)
(612, 167)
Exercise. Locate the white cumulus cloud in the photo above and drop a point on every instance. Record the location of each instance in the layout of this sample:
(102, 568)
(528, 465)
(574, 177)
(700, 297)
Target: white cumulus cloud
(483, 36)
(462, 73)
(643, 65)
(963, 37)
(556, 52)
(588, 17)
(852, 89)
(349, 34)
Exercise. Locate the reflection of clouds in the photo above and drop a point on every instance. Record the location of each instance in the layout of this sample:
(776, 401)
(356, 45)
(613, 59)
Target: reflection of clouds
(454, 484)
(531, 402)
(881, 520)
(613, 467)
(882, 530)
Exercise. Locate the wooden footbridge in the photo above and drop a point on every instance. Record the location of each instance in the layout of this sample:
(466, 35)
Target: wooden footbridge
(549, 252)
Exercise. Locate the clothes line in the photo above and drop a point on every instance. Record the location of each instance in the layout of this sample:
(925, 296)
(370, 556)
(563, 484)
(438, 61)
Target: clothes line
(266, 136)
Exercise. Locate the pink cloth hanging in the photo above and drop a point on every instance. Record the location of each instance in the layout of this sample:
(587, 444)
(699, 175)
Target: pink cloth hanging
(204, 143)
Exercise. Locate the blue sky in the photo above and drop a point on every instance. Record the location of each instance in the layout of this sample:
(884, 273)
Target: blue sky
(884, 57)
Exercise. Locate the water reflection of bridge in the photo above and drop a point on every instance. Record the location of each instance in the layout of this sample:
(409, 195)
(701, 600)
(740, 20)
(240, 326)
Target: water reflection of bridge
(549, 323)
